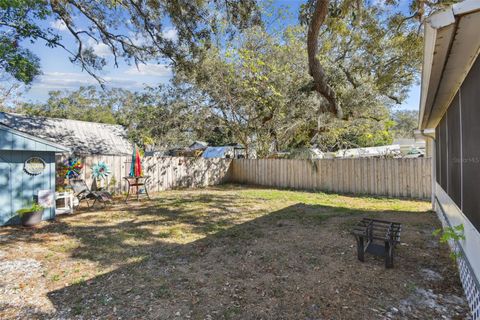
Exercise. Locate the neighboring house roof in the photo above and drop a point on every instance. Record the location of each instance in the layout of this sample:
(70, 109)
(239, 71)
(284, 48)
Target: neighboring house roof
(83, 138)
(451, 46)
(198, 145)
(317, 153)
(419, 142)
(369, 152)
(217, 152)
(11, 139)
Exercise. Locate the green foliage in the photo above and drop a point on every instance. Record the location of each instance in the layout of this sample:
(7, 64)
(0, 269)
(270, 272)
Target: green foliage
(252, 89)
(165, 117)
(85, 104)
(259, 88)
(405, 123)
(447, 234)
(34, 207)
(19, 20)
(18, 62)
(112, 184)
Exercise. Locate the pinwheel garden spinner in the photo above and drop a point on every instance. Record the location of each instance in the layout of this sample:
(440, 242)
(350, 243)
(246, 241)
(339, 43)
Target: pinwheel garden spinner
(73, 168)
(101, 170)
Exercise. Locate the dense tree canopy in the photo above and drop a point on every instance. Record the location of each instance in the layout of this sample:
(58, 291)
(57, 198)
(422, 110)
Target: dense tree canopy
(132, 30)
(161, 117)
(255, 87)
(85, 104)
(238, 75)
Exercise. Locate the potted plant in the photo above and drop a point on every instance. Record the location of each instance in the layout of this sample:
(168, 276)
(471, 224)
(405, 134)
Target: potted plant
(31, 215)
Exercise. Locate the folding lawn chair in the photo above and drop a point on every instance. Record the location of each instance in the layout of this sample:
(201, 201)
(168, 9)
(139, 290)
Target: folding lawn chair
(82, 192)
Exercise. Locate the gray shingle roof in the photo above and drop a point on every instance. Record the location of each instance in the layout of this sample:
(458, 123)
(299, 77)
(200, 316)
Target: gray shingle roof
(83, 138)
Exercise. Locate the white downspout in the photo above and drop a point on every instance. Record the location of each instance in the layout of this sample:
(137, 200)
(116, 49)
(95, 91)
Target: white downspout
(434, 164)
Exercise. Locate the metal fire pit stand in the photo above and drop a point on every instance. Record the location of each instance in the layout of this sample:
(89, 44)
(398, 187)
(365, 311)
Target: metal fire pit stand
(377, 237)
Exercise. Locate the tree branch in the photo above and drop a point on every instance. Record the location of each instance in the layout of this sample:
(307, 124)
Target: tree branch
(316, 70)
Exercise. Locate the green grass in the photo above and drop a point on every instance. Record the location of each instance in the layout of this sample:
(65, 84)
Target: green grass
(341, 202)
(128, 233)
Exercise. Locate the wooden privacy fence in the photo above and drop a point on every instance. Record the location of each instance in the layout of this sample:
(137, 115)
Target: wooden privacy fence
(174, 172)
(165, 172)
(383, 177)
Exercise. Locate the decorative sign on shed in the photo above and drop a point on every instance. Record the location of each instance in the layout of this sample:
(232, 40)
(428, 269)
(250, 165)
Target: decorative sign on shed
(34, 166)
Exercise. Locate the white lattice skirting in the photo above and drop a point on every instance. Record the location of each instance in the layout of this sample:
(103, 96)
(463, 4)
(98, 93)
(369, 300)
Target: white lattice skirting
(472, 291)
(469, 282)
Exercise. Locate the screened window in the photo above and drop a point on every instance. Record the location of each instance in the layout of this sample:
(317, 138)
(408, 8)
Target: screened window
(443, 153)
(438, 165)
(453, 152)
(470, 109)
(458, 148)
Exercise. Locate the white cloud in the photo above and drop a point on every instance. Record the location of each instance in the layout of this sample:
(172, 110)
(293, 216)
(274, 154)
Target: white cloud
(137, 39)
(63, 80)
(140, 40)
(50, 81)
(150, 69)
(72, 80)
(100, 48)
(170, 34)
(59, 25)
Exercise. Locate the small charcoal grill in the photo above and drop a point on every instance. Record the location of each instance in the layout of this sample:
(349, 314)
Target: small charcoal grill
(377, 237)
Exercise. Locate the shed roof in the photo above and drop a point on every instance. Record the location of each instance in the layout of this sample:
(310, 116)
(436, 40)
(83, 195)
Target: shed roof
(451, 46)
(83, 138)
(11, 139)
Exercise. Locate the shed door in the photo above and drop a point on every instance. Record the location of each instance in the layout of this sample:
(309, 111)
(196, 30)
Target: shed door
(5, 192)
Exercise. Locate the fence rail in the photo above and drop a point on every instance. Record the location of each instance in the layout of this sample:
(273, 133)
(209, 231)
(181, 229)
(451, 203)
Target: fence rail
(383, 177)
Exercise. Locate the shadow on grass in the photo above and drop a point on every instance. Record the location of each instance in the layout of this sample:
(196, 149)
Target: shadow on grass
(169, 279)
(135, 234)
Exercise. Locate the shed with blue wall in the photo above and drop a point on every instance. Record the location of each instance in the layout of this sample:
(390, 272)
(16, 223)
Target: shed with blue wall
(17, 187)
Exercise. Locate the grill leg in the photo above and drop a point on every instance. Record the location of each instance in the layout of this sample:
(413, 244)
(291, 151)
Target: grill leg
(128, 193)
(388, 255)
(146, 191)
(360, 249)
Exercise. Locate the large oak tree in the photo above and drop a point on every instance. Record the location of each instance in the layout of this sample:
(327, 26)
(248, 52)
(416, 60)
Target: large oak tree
(390, 22)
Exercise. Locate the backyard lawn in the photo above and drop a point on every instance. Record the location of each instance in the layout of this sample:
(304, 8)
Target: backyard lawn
(227, 253)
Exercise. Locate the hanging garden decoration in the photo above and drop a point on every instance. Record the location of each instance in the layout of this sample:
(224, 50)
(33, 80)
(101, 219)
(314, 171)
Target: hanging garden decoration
(73, 167)
(101, 170)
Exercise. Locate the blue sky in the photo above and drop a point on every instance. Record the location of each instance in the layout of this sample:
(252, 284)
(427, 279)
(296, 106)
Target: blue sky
(60, 74)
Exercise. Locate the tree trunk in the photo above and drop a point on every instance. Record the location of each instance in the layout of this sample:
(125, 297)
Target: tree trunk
(316, 69)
